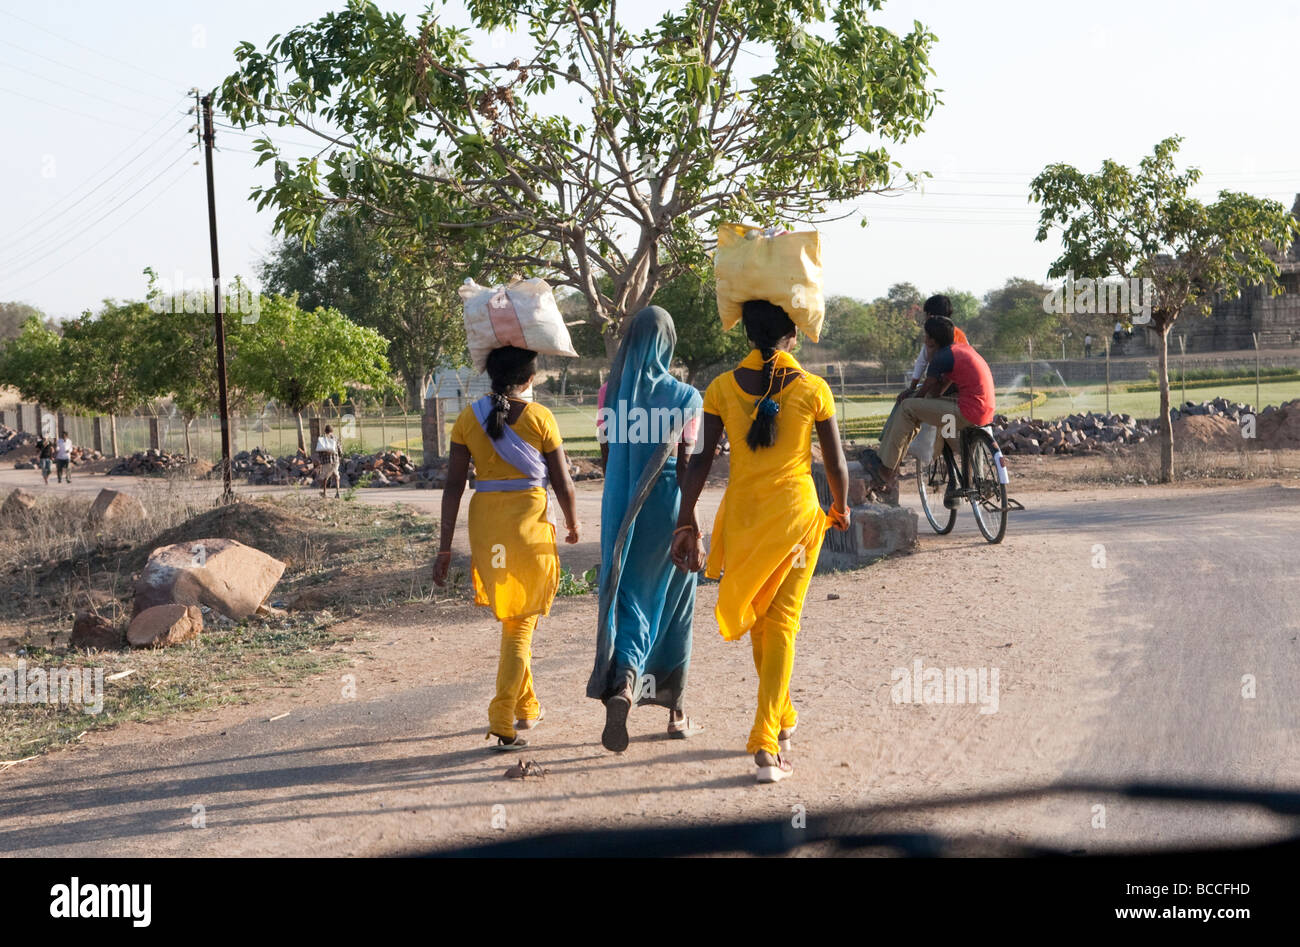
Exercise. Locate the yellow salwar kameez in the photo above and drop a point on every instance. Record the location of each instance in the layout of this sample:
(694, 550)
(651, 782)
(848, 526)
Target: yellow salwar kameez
(768, 532)
(516, 566)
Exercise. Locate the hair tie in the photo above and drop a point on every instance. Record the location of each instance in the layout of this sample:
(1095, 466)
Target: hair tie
(767, 407)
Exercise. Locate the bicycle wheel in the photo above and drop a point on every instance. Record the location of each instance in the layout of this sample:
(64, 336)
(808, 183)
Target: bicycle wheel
(931, 481)
(988, 496)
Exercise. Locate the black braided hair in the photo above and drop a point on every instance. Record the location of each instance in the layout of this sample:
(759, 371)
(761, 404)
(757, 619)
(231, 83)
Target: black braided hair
(507, 366)
(766, 324)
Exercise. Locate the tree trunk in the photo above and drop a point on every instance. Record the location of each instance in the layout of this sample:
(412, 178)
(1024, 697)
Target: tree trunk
(302, 442)
(1166, 426)
(112, 433)
(188, 452)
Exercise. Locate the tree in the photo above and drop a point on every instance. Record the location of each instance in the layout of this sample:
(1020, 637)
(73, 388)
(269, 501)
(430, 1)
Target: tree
(676, 133)
(13, 316)
(113, 357)
(400, 283)
(886, 330)
(299, 357)
(1011, 316)
(37, 362)
(701, 342)
(1143, 225)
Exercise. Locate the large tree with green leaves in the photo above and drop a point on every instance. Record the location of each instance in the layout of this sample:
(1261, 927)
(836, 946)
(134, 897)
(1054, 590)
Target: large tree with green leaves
(886, 330)
(604, 152)
(1144, 224)
(13, 316)
(299, 357)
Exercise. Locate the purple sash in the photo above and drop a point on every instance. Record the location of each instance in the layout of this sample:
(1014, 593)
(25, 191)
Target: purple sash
(515, 451)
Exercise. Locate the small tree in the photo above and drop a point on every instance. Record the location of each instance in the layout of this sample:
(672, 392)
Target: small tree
(299, 357)
(1118, 223)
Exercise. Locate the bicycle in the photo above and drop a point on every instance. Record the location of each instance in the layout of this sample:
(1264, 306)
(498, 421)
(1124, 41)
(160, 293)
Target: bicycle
(981, 481)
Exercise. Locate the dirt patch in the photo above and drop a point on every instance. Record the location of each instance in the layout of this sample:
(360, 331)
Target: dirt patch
(1280, 430)
(264, 525)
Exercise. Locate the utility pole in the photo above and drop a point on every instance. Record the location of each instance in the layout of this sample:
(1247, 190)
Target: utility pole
(227, 491)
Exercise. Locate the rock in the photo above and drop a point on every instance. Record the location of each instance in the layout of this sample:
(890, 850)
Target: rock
(113, 506)
(223, 574)
(165, 625)
(18, 503)
(94, 632)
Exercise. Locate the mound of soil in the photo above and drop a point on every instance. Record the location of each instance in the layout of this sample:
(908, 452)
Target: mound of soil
(1280, 429)
(1210, 431)
(270, 529)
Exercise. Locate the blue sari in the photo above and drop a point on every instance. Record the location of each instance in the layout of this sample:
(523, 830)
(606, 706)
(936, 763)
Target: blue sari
(647, 605)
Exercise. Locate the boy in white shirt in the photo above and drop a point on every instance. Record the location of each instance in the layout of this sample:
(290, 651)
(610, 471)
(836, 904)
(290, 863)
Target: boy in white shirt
(63, 457)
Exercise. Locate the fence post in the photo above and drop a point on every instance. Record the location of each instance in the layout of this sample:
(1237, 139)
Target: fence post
(97, 433)
(383, 428)
(314, 426)
(1107, 341)
(1255, 338)
(153, 433)
(431, 424)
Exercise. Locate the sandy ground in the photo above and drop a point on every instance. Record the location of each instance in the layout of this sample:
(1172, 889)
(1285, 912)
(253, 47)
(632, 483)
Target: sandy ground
(1124, 671)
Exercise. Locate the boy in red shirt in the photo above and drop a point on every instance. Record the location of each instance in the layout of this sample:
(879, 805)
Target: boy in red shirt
(953, 365)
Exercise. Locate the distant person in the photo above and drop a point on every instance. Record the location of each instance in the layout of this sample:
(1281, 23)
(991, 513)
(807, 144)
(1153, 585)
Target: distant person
(1119, 332)
(45, 457)
(1087, 346)
(63, 457)
(327, 459)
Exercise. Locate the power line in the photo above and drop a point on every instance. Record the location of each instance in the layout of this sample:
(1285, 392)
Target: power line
(141, 209)
(45, 214)
(120, 62)
(64, 108)
(86, 72)
(22, 257)
(93, 95)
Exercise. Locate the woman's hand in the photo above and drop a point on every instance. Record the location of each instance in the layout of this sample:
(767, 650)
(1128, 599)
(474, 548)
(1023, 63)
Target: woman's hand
(688, 550)
(572, 536)
(441, 565)
(839, 517)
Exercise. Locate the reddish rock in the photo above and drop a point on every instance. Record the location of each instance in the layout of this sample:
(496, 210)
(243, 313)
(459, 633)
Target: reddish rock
(165, 625)
(223, 574)
(114, 506)
(94, 632)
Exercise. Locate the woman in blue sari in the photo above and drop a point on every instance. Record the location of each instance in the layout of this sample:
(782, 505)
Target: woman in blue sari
(649, 423)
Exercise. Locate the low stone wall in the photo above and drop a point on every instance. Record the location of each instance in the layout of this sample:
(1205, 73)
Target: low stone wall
(875, 530)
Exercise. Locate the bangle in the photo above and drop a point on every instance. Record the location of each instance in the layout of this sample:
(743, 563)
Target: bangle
(687, 526)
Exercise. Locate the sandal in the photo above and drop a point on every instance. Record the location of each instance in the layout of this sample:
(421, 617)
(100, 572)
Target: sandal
(772, 768)
(505, 744)
(614, 737)
(531, 722)
(684, 728)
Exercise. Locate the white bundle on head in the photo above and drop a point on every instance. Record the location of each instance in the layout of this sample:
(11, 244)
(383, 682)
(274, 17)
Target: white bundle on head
(523, 314)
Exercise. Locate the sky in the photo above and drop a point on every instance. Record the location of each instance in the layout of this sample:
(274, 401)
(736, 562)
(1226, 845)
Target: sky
(99, 177)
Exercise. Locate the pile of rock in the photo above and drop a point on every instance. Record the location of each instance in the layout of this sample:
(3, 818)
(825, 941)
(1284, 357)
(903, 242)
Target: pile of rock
(151, 461)
(1219, 407)
(388, 468)
(1091, 433)
(11, 439)
(260, 468)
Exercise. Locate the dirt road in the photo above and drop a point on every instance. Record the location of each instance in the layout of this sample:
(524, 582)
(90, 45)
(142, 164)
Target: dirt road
(1121, 624)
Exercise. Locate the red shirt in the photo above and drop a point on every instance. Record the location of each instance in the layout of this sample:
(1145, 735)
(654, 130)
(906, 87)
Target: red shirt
(965, 368)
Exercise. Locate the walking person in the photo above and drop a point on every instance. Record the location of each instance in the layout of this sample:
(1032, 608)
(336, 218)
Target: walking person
(63, 457)
(516, 449)
(649, 423)
(1087, 346)
(327, 460)
(768, 531)
(45, 457)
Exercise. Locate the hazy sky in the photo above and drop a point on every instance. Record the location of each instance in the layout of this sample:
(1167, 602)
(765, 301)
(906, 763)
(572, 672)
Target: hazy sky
(98, 178)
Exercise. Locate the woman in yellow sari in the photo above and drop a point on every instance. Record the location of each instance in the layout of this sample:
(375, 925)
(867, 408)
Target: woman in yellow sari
(769, 529)
(516, 449)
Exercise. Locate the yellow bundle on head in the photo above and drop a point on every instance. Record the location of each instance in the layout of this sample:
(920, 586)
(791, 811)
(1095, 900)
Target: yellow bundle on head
(784, 268)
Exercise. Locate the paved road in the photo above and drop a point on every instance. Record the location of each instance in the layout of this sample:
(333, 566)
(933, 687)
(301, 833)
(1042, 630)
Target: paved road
(1136, 617)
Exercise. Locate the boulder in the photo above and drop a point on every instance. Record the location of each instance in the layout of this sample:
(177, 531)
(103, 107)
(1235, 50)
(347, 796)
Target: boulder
(95, 632)
(165, 625)
(113, 506)
(18, 502)
(223, 574)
